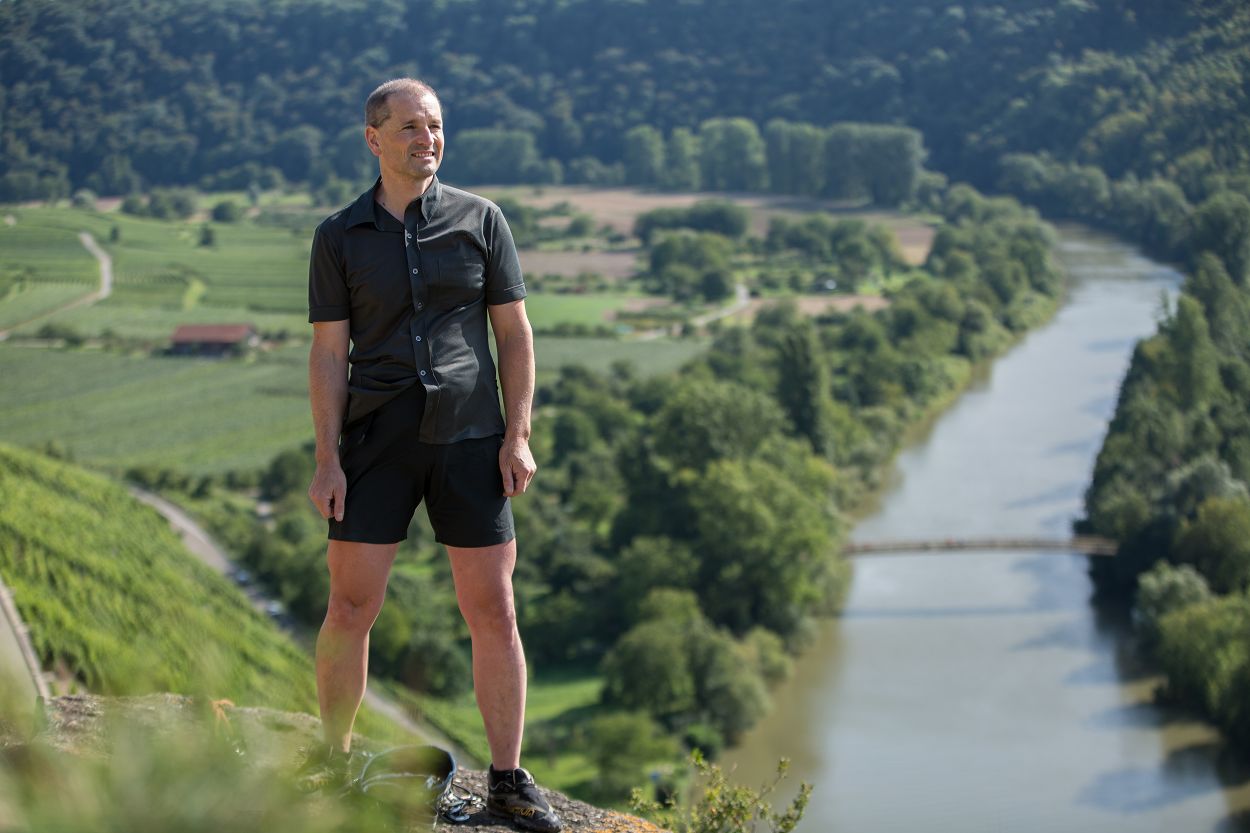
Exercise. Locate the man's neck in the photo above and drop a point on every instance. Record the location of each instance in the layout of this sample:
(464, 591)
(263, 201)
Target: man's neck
(396, 194)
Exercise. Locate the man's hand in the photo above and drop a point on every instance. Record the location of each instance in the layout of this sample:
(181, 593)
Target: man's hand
(328, 491)
(517, 465)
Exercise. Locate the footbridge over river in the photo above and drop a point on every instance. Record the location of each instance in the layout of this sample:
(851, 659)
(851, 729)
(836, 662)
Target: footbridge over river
(1087, 544)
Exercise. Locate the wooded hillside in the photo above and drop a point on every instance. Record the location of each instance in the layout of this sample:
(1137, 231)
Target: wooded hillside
(115, 96)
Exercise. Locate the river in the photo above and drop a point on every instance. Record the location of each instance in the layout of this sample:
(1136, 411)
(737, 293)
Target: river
(979, 692)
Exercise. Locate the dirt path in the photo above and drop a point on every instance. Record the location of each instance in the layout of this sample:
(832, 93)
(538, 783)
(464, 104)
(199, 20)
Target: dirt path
(106, 285)
(201, 544)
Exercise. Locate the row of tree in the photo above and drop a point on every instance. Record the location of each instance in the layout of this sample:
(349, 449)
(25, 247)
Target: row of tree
(1156, 213)
(1170, 482)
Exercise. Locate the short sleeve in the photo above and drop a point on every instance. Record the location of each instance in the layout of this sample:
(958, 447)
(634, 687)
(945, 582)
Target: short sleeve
(504, 280)
(328, 297)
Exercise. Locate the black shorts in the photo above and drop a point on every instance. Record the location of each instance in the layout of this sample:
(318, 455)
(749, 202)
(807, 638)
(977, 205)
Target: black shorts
(389, 473)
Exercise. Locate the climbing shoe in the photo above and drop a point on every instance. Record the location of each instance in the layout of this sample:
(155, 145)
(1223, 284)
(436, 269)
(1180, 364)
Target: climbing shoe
(323, 769)
(514, 796)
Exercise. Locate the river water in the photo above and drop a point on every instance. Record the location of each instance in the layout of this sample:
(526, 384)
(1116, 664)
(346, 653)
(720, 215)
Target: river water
(979, 692)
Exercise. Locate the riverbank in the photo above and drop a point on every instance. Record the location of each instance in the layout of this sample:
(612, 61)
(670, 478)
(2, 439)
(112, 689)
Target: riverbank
(983, 686)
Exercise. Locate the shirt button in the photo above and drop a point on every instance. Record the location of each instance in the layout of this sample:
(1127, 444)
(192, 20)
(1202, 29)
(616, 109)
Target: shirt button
(422, 372)
(414, 271)
(420, 305)
(418, 338)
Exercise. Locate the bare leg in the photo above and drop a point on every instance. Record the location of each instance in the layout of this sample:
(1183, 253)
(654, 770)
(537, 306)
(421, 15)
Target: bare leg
(483, 577)
(358, 576)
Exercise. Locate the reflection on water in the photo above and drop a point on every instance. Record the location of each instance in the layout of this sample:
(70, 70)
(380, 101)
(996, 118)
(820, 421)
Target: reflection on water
(982, 691)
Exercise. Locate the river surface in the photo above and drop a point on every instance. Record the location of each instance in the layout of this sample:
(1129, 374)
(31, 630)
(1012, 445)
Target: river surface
(979, 692)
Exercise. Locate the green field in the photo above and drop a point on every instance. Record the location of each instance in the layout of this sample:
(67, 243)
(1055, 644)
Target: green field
(43, 246)
(547, 309)
(29, 300)
(117, 411)
(206, 416)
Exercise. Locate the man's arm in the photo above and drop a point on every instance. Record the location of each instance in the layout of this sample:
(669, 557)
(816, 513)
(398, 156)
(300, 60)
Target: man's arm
(327, 391)
(514, 341)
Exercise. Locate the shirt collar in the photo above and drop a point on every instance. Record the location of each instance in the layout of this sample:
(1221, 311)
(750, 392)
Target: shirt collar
(362, 210)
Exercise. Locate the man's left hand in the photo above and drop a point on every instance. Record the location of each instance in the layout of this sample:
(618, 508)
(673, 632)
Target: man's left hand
(517, 465)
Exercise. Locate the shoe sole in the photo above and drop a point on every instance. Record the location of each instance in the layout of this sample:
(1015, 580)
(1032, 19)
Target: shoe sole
(521, 821)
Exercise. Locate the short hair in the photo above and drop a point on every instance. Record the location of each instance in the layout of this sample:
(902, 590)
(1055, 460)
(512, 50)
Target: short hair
(377, 110)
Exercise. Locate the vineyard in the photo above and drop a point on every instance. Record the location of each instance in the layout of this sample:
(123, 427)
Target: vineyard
(113, 599)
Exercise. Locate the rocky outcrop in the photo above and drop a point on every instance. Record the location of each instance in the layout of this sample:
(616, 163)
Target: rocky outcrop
(86, 726)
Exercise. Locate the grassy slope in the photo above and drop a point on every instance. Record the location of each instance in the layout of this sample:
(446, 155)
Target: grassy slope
(109, 592)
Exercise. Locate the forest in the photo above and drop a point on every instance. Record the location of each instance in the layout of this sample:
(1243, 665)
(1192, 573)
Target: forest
(122, 96)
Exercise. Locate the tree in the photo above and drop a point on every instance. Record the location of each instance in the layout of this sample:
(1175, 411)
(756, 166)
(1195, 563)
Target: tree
(732, 155)
(1161, 590)
(227, 211)
(496, 156)
(649, 669)
(679, 669)
(1217, 543)
(644, 156)
(681, 162)
(803, 385)
(763, 544)
(620, 745)
(295, 151)
(795, 157)
(649, 563)
(704, 421)
(890, 160)
(1227, 309)
(731, 694)
(1221, 225)
(1193, 372)
(843, 152)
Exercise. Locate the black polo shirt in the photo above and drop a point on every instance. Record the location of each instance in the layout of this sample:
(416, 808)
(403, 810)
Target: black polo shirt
(416, 295)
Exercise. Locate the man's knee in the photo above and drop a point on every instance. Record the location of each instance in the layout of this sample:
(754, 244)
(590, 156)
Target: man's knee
(490, 615)
(352, 615)
(358, 578)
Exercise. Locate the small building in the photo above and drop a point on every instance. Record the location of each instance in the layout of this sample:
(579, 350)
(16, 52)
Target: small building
(216, 340)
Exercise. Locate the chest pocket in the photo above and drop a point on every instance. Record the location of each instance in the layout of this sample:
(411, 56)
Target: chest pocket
(459, 279)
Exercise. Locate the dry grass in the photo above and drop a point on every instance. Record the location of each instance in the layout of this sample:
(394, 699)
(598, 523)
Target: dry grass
(615, 265)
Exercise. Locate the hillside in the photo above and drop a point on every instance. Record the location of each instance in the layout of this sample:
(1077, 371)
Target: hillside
(246, 92)
(116, 605)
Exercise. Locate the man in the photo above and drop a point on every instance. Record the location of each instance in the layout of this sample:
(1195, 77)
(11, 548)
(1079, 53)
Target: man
(408, 274)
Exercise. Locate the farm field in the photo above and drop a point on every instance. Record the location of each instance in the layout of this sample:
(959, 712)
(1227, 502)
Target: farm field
(30, 301)
(614, 265)
(206, 416)
(118, 408)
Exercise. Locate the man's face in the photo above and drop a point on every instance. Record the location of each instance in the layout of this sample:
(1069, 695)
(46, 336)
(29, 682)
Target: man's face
(409, 144)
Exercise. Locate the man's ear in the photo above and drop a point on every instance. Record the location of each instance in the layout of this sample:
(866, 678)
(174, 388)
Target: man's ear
(371, 139)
